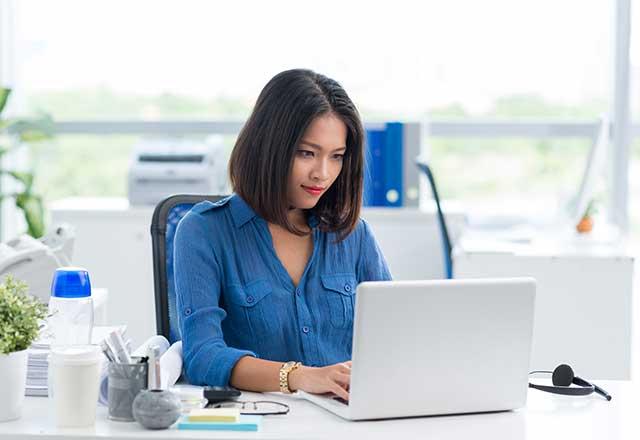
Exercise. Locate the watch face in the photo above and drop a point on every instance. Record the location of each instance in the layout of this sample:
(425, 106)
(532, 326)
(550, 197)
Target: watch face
(289, 364)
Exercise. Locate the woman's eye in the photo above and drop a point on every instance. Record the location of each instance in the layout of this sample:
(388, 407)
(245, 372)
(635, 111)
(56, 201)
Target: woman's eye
(305, 153)
(338, 156)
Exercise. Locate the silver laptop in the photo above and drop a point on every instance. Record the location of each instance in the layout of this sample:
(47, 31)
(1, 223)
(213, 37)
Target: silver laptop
(438, 347)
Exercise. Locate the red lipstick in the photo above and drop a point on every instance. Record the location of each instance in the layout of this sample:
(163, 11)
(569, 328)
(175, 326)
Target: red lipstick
(313, 190)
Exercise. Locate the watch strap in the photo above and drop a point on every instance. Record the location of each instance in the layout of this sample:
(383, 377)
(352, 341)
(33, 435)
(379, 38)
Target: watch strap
(287, 368)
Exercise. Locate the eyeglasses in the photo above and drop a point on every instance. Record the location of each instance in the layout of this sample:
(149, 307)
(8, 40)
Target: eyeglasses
(256, 408)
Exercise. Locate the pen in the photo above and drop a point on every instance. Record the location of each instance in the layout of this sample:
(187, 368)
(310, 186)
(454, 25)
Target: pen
(153, 367)
(120, 353)
(107, 351)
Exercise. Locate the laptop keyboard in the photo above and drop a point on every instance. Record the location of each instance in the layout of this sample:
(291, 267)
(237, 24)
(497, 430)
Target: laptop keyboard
(341, 400)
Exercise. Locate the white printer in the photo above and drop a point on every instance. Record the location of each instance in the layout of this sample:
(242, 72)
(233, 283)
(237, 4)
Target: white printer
(35, 260)
(161, 167)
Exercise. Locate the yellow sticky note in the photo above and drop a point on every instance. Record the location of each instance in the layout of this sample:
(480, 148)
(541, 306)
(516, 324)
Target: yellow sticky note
(214, 415)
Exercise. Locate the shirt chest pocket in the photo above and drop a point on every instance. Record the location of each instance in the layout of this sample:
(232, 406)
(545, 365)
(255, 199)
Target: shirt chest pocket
(340, 290)
(250, 308)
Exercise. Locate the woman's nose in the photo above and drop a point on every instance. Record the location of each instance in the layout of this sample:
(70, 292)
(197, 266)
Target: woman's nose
(320, 171)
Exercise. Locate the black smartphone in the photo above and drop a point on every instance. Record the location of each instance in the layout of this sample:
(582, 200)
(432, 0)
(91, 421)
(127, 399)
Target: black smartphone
(220, 394)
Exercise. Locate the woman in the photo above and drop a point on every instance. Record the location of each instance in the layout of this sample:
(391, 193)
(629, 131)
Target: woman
(265, 279)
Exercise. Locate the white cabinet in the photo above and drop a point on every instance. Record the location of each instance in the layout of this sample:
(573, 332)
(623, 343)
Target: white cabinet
(113, 243)
(583, 311)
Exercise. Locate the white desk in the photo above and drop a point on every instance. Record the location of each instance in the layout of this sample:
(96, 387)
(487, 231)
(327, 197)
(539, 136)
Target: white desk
(546, 416)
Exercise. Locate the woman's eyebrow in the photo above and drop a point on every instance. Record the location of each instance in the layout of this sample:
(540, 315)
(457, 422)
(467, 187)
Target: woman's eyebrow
(319, 147)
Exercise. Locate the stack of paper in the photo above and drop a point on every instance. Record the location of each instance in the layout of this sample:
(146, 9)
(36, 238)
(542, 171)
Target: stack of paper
(219, 419)
(38, 355)
(37, 369)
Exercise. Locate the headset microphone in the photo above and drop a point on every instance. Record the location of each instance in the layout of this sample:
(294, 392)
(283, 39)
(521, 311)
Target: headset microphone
(562, 378)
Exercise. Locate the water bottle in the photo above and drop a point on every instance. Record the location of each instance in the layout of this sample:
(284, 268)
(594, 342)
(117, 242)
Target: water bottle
(70, 307)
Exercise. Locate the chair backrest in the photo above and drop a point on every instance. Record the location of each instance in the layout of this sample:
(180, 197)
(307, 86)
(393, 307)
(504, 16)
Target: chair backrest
(163, 227)
(446, 238)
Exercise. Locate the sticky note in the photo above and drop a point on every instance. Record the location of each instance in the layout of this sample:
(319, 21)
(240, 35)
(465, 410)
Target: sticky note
(244, 423)
(214, 415)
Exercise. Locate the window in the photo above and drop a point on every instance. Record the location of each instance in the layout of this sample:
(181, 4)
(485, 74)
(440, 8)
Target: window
(456, 60)
(155, 60)
(634, 167)
(519, 180)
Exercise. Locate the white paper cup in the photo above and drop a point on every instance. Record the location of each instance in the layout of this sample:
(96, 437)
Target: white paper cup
(75, 373)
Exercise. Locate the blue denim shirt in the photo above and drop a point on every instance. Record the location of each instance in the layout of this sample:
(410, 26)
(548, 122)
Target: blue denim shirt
(235, 298)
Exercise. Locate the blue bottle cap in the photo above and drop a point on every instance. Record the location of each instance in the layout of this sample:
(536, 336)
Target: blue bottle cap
(70, 282)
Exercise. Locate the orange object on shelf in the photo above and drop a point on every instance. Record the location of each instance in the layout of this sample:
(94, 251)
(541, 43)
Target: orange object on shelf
(585, 225)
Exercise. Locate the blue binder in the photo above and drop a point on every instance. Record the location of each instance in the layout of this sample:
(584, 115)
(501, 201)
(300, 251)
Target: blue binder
(393, 160)
(383, 180)
(374, 171)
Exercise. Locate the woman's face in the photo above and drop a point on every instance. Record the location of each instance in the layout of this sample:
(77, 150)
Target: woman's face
(317, 162)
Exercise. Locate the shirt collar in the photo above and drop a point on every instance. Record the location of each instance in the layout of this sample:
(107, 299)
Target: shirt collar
(240, 211)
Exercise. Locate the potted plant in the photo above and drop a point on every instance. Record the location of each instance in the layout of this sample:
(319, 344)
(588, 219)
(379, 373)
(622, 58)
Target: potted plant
(585, 225)
(13, 133)
(20, 314)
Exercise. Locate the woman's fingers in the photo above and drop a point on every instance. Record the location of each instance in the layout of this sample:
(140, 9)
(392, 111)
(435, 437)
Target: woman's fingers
(342, 378)
(334, 378)
(339, 391)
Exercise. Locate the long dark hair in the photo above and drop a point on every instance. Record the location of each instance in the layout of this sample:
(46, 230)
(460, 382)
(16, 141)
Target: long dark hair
(263, 155)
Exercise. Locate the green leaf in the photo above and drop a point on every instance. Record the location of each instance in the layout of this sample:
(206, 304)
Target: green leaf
(4, 96)
(591, 209)
(33, 130)
(26, 130)
(20, 314)
(33, 209)
(24, 177)
(5, 123)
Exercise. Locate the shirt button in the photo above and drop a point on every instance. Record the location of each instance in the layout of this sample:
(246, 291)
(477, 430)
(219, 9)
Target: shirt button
(249, 299)
(187, 311)
(347, 288)
(305, 329)
(298, 292)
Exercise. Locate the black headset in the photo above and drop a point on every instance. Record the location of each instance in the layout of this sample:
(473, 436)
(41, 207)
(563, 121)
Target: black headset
(562, 378)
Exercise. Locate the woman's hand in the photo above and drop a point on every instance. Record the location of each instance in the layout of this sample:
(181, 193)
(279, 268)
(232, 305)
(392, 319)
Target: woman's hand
(319, 380)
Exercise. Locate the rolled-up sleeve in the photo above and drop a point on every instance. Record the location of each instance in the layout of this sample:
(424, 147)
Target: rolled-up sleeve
(197, 275)
(371, 265)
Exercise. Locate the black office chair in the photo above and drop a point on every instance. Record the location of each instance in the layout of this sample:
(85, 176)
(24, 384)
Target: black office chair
(163, 228)
(444, 232)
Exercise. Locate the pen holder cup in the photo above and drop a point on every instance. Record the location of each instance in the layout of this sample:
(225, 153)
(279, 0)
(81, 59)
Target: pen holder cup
(125, 382)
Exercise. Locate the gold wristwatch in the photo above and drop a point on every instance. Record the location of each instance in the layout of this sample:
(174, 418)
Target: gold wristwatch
(287, 368)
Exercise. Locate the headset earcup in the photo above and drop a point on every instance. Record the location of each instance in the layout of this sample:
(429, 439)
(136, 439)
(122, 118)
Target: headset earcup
(562, 376)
